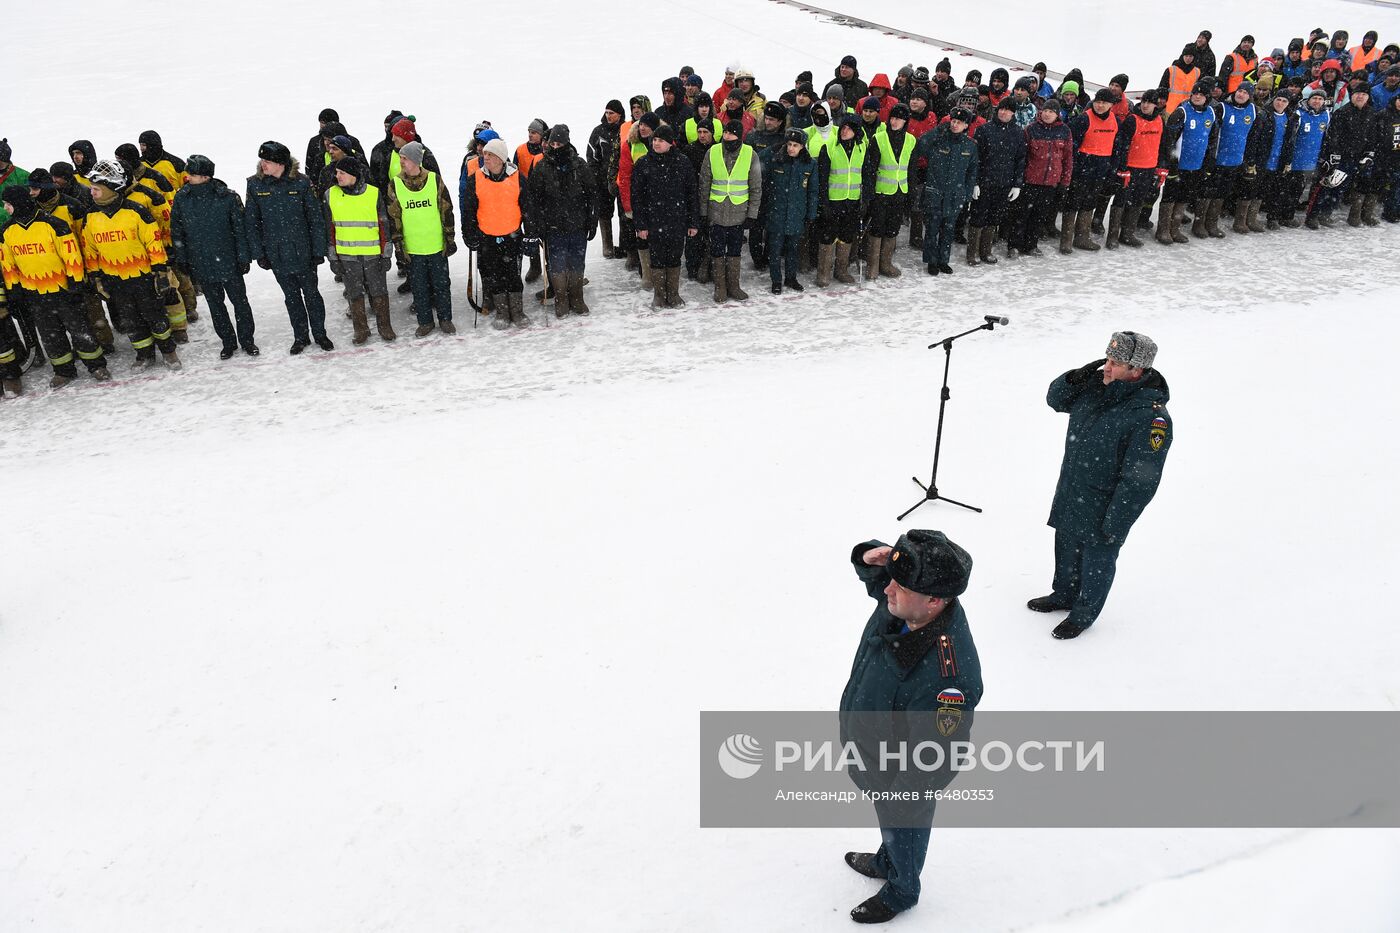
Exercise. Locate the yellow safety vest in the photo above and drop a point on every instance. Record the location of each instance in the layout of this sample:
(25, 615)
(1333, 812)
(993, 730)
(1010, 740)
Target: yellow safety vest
(692, 130)
(355, 218)
(422, 218)
(843, 181)
(894, 170)
(726, 184)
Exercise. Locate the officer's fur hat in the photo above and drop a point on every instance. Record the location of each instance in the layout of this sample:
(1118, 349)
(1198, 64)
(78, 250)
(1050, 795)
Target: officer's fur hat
(927, 562)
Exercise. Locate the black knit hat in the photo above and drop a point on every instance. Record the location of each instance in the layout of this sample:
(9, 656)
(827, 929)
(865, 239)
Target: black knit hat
(615, 106)
(327, 116)
(651, 121)
(1104, 95)
(666, 133)
(20, 199)
(5, 152)
(41, 179)
(899, 111)
(349, 166)
(734, 126)
(1007, 103)
(928, 563)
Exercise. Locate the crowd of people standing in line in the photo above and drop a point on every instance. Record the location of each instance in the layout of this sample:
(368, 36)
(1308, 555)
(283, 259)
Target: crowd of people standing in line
(808, 181)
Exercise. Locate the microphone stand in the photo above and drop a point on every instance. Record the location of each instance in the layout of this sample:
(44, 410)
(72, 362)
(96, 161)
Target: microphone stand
(931, 490)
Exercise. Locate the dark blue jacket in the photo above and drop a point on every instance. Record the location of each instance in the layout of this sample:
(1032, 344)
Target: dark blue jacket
(790, 190)
(1001, 155)
(1117, 443)
(207, 233)
(664, 194)
(284, 221)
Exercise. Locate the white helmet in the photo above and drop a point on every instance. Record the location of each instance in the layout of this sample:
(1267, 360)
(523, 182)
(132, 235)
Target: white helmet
(108, 173)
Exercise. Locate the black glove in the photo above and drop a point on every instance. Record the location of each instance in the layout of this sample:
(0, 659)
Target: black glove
(592, 231)
(317, 260)
(264, 264)
(451, 247)
(1081, 375)
(243, 268)
(169, 296)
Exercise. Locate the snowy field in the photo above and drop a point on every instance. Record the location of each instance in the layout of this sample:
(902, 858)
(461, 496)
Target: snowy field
(413, 637)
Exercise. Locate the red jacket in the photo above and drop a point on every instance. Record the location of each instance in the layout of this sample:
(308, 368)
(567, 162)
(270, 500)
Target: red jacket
(719, 95)
(1049, 154)
(889, 100)
(917, 127)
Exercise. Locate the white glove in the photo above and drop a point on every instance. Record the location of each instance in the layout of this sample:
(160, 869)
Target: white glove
(1336, 179)
(1015, 193)
(976, 192)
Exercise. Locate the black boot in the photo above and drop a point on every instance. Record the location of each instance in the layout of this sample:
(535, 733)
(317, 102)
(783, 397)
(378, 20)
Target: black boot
(1047, 604)
(864, 862)
(873, 910)
(1068, 629)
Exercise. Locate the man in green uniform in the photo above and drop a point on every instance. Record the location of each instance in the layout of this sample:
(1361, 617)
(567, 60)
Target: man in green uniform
(916, 655)
(1119, 435)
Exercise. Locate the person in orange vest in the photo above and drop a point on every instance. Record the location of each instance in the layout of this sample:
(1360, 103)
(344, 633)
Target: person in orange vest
(1367, 52)
(1137, 152)
(1239, 65)
(1094, 133)
(1178, 79)
(493, 208)
(527, 155)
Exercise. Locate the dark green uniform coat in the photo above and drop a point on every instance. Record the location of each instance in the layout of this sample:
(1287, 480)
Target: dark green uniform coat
(1117, 442)
(789, 190)
(952, 169)
(933, 669)
(207, 232)
(284, 221)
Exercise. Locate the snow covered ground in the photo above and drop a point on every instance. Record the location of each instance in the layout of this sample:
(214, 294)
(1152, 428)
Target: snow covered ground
(413, 637)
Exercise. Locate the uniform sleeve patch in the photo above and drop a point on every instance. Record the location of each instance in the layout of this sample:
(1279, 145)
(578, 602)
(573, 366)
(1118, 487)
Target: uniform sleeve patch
(951, 697)
(947, 719)
(1157, 434)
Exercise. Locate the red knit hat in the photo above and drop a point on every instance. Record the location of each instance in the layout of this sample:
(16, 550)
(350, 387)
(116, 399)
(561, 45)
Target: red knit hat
(404, 130)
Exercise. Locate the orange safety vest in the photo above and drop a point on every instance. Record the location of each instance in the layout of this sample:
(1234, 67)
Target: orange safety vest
(498, 204)
(1180, 87)
(1098, 139)
(1360, 58)
(1240, 68)
(622, 135)
(1147, 142)
(525, 159)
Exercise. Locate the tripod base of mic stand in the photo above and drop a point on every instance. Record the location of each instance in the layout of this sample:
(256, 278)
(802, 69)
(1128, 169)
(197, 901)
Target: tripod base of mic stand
(931, 495)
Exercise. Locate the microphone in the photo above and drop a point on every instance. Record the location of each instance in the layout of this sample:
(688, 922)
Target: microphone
(993, 319)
